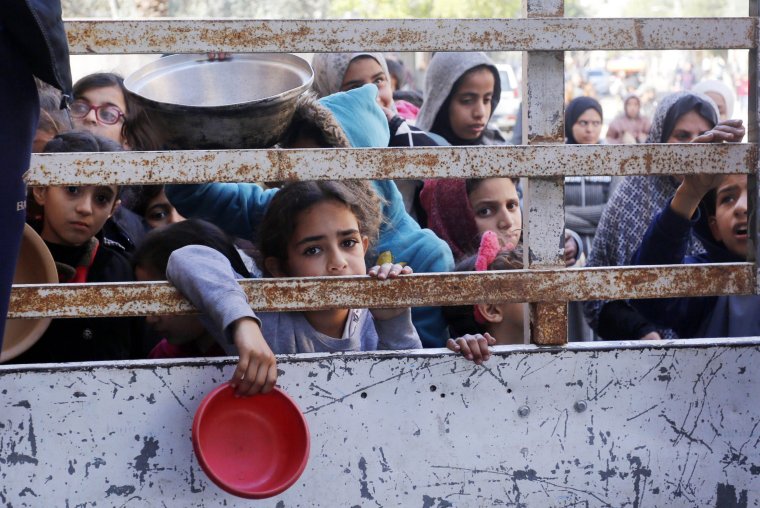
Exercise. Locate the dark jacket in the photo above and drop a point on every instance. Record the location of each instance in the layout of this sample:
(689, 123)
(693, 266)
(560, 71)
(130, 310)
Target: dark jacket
(666, 242)
(36, 26)
(90, 339)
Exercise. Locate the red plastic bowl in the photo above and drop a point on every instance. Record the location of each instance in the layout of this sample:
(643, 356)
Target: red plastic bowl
(254, 447)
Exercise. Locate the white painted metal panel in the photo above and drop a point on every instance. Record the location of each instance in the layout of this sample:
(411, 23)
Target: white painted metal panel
(619, 424)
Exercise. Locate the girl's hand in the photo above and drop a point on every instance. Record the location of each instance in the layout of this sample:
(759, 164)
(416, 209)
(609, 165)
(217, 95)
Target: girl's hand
(473, 347)
(571, 250)
(256, 371)
(730, 131)
(388, 271)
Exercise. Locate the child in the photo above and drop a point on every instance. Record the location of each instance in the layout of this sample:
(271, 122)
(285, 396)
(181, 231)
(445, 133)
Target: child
(72, 219)
(340, 72)
(680, 117)
(150, 203)
(721, 224)
(462, 91)
(348, 119)
(102, 106)
(499, 323)
(182, 336)
(460, 211)
(310, 229)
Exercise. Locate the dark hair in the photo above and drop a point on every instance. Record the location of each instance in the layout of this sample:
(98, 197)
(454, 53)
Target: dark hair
(158, 245)
(442, 125)
(461, 318)
(81, 141)
(685, 105)
(53, 119)
(397, 70)
(141, 196)
(473, 183)
(279, 223)
(138, 130)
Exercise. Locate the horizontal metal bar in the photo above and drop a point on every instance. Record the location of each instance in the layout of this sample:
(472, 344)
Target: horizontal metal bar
(316, 36)
(553, 285)
(433, 162)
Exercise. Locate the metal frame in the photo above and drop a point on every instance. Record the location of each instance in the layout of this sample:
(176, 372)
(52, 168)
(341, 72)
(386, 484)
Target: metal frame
(544, 35)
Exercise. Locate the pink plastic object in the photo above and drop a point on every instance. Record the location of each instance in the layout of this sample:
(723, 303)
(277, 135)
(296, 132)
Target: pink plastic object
(253, 447)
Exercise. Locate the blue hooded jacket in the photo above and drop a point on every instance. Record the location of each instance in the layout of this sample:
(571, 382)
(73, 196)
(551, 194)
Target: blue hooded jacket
(238, 208)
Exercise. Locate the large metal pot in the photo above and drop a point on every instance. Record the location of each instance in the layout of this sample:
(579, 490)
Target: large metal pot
(243, 101)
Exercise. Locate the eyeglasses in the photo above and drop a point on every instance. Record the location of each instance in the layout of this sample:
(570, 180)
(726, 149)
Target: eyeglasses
(586, 123)
(107, 114)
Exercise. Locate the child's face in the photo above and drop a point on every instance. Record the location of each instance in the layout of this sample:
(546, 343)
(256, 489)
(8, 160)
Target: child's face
(326, 242)
(729, 225)
(365, 70)
(587, 127)
(719, 101)
(160, 212)
(688, 127)
(177, 330)
(110, 95)
(73, 214)
(470, 107)
(496, 207)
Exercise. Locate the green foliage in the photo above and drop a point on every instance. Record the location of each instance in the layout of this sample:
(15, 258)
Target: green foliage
(425, 9)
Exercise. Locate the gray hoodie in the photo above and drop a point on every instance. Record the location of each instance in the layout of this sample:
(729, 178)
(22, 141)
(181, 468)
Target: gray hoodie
(444, 70)
(204, 276)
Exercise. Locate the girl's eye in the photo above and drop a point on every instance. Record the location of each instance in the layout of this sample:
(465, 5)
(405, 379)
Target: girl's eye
(72, 189)
(379, 81)
(158, 215)
(103, 199)
(683, 136)
(484, 212)
(351, 242)
(513, 205)
(726, 199)
(311, 251)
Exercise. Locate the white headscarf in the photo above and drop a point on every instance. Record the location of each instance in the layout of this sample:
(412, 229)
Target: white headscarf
(722, 89)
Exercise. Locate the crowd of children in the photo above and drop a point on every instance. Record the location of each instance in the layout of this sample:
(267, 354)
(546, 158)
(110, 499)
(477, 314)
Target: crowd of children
(309, 229)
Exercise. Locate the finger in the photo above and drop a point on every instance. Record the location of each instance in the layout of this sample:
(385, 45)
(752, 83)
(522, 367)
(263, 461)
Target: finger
(394, 271)
(250, 384)
(452, 345)
(385, 269)
(490, 339)
(260, 382)
(464, 347)
(485, 353)
(406, 270)
(271, 378)
(373, 271)
(477, 352)
(239, 373)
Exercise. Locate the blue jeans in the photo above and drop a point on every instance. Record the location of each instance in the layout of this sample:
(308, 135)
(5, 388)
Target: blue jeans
(19, 112)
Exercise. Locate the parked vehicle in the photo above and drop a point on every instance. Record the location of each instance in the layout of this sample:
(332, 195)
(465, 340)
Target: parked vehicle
(600, 79)
(505, 115)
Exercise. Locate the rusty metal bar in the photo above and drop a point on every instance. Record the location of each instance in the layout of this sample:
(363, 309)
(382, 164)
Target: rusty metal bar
(433, 162)
(316, 36)
(544, 207)
(753, 127)
(552, 285)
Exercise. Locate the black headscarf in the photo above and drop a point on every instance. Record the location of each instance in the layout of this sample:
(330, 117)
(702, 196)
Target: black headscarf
(574, 110)
(682, 106)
